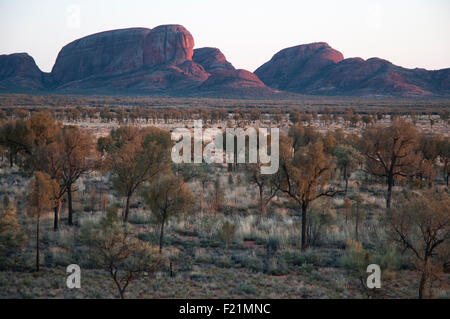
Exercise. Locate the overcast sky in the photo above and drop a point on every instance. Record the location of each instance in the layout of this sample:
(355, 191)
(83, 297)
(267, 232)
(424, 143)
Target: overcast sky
(413, 33)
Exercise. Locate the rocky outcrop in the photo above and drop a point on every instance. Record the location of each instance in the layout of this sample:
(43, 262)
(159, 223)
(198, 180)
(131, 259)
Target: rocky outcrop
(212, 59)
(297, 66)
(18, 71)
(163, 61)
(318, 69)
(147, 61)
(168, 44)
(106, 53)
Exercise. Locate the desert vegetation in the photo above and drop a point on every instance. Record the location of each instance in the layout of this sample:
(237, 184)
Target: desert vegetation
(89, 181)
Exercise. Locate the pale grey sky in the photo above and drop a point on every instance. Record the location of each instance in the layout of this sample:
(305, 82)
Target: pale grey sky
(410, 33)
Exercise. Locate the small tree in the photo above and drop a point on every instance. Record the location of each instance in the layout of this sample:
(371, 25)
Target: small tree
(444, 156)
(420, 223)
(218, 196)
(14, 136)
(267, 186)
(227, 232)
(135, 156)
(11, 238)
(125, 257)
(390, 152)
(347, 159)
(304, 176)
(167, 198)
(357, 214)
(40, 195)
(78, 159)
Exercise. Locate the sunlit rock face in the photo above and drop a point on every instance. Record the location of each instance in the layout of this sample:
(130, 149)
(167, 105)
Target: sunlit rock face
(168, 44)
(105, 53)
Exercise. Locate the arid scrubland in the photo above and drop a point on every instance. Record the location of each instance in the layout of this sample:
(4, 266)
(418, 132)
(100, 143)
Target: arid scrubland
(89, 181)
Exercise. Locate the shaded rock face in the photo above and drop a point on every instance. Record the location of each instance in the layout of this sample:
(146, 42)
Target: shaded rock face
(318, 69)
(233, 78)
(168, 44)
(223, 74)
(212, 59)
(110, 52)
(19, 71)
(295, 67)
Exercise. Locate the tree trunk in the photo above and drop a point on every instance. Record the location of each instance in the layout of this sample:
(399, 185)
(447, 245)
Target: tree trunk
(127, 209)
(346, 179)
(11, 160)
(261, 202)
(121, 293)
(389, 191)
(69, 204)
(56, 216)
(201, 199)
(304, 208)
(37, 242)
(423, 279)
(161, 235)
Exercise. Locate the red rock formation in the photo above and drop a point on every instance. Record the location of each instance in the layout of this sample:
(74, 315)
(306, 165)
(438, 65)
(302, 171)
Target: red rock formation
(318, 69)
(163, 61)
(212, 59)
(105, 53)
(168, 44)
(294, 67)
(18, 71)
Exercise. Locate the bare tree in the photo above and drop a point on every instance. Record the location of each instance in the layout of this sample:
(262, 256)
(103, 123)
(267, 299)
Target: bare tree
(390, 152)
(125, 257)
(420, 223)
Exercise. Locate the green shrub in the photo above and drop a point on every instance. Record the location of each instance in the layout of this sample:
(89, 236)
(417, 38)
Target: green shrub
(245, 289)
(355, 258)
(299, 258)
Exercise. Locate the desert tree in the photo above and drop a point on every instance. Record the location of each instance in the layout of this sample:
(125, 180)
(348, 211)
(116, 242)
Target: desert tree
(267, 185)
(217, 196)
(40, 194)
(167, 197)
(116, 249)
(42, 130)
(304, 176)
(197, 172)
(303, 135)
(390, 152)
(444, 157)
(357, 213)
(78, 158)
(420, 223)
(14, 137)
(12, 239)
(347, 159)
(428, 149)
(49, 159)
(135, 156)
